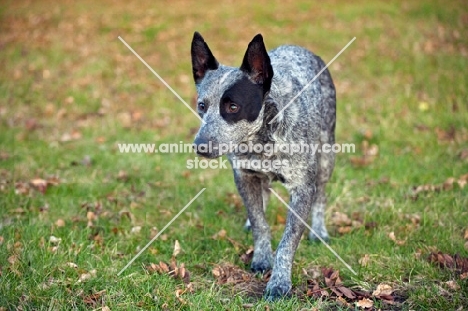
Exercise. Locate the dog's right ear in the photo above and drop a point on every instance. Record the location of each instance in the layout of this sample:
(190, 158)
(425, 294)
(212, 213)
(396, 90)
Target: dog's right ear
(202, 58)
(257, 63)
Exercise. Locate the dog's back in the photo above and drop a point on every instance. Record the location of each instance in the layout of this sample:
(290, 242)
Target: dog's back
(294, 68)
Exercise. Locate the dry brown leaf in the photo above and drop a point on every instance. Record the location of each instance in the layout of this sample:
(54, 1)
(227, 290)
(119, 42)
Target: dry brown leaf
(392, 237)
(365, 303)
(340, 219)
(216, 271)
(221, 234)
(91, 217)
(247, 256)
(122, 175)
(60, 223)
(135, 230)
(87, 276)
(164, 267)
(72, 265)
(383, 289)
(452, 285)
(177, 249)
(39, 184)
(364, 261)
(22, 188)
(445, 135)
(228, 273)
(455, 262)
(347, 292)
(74, 135)
(234, 200)
(13, 259)
(94, 299)
(54, 240)
(465, 236)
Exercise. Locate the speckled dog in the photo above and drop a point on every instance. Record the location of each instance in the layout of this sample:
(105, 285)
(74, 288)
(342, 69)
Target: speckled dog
(237, 105)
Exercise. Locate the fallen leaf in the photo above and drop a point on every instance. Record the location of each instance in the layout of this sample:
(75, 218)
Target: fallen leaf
(135, 230)
(87, 276)
(233, 200)
(453, 285)
(74, 135)
(456, 263)
(177, 249)
(91, 216)
(54, 240)
(365, 303)
(230, 274)
(340, 219)
(13, 259)
(72, 265)
(122, 175)
(60, 223)
(445, 135)
(22, 188)
(221, 234)
(247, 256)
(392, 237)
(383, 289)
(364, 261)
(94, 299)
(39, 184)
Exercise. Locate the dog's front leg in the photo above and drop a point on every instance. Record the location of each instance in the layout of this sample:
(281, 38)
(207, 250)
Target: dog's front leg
(250, 189)
(280, 281)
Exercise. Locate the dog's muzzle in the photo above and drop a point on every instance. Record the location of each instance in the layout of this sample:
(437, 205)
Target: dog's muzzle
(206, 148)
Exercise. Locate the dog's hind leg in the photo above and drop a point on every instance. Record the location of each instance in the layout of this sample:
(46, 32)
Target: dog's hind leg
(318, 214)
(325, 169)
(266, 199)
(250, 187)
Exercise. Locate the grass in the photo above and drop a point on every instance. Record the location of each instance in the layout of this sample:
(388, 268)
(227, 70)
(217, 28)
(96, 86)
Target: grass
(70, 91)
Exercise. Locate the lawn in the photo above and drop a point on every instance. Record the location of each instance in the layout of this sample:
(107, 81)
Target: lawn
(74, 210)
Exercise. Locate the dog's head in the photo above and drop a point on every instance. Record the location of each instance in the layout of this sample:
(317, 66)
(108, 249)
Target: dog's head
(230, 100)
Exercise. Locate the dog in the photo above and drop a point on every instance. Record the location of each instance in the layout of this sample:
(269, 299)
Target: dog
(245, 106)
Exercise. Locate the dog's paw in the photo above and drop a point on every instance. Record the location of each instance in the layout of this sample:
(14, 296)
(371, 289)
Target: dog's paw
(277, 289)
(260, 266)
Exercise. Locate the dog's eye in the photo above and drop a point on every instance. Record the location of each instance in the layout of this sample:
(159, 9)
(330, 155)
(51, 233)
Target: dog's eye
(232, 108)
(201, 106)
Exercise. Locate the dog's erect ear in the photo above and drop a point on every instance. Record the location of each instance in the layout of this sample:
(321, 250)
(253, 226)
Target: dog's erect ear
(202, 58)
(257, 63)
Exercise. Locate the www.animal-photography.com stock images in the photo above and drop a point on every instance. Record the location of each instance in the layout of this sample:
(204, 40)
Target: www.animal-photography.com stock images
(233, 155)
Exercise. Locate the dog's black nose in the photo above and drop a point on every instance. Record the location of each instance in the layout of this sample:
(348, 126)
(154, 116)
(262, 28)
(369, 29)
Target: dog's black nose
(202, 147)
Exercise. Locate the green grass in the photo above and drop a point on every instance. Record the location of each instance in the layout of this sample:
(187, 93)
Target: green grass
(402, 85)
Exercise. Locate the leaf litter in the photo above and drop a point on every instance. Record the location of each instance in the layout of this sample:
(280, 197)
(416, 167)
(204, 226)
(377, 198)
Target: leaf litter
(325, 283)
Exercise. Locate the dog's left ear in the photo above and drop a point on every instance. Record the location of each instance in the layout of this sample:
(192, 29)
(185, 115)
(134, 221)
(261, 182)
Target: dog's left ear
(257, 63)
